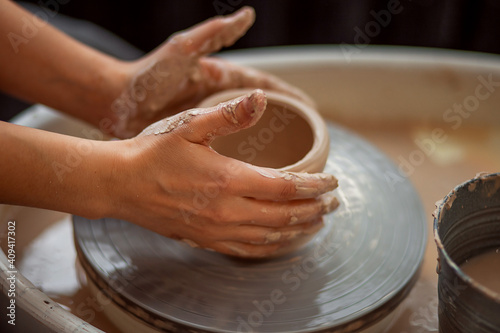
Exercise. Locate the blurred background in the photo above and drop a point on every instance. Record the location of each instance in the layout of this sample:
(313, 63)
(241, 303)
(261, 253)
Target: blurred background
(127, 29)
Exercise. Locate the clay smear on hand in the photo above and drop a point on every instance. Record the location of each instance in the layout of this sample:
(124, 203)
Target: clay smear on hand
(254, 101)
(280, 236)
(167, 125)
(229, 109)
(307, 185)
(311, 184)
(329, 202)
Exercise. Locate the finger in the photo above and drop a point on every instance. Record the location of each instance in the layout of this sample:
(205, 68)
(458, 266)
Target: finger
(263, 235)
(212, 35)
(248, 250)
(204, 125)
(279, 214)
(221, 75)
(271, 184)
(288, 213)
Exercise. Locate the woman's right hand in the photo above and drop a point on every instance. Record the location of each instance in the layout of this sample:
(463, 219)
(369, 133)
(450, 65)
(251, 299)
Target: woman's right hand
(169, 180)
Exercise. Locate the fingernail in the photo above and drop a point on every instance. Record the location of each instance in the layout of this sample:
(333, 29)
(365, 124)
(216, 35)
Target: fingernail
(229, 108)
(245, 109)
(258, 100)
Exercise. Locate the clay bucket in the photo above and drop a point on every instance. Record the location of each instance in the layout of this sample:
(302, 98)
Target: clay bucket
(467, 224)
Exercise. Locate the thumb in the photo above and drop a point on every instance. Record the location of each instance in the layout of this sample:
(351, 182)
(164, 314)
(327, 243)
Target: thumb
(226, 118)
(204, 125)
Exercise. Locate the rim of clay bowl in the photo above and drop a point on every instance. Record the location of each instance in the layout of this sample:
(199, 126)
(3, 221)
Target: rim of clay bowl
(440, 206)
(321, 141)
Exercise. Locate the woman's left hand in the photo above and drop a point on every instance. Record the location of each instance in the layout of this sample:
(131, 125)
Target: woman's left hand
(178, 75)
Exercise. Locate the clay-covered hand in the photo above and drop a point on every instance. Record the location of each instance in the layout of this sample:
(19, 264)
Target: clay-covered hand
(172, 182)
(177, 75)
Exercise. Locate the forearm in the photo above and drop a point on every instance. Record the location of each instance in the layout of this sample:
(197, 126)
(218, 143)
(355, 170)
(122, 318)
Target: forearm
(49, 67)
(53, 171)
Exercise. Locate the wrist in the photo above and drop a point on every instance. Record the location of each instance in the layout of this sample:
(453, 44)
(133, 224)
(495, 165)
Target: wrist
(112, 82)
(57, 172)
(105, 173)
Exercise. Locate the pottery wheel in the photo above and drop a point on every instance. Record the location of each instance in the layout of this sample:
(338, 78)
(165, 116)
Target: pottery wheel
(357, 269)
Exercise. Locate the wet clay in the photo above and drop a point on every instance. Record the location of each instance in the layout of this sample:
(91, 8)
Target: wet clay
(303, 183)
(485, 269)
(307, 184)
(167, 125)
(280, 138)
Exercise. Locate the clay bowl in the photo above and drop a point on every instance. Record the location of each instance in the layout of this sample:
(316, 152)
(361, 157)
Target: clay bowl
(290, 136)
